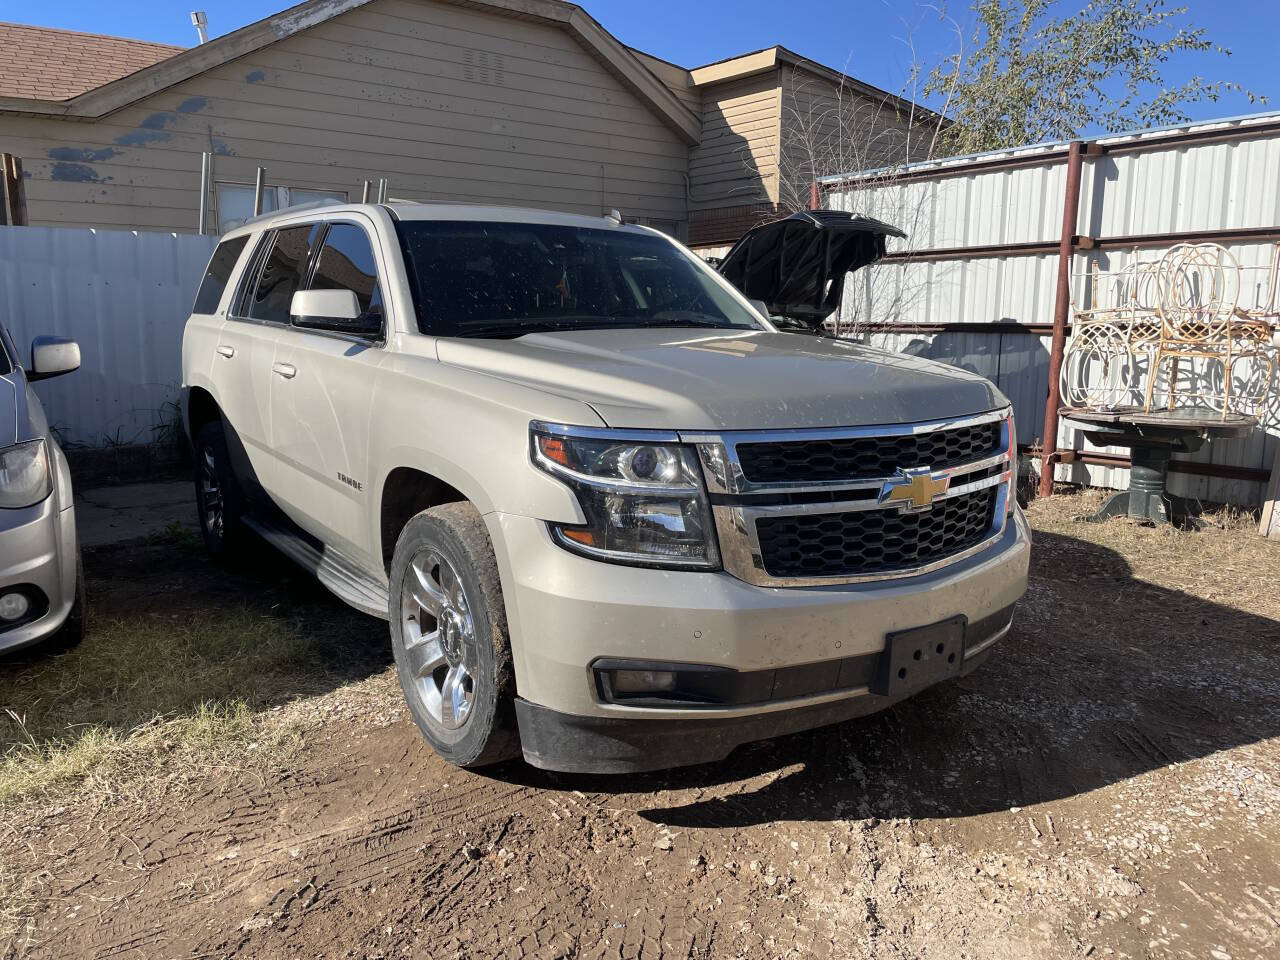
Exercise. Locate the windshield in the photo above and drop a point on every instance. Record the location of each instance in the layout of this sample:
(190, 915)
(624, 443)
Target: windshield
(477, 279)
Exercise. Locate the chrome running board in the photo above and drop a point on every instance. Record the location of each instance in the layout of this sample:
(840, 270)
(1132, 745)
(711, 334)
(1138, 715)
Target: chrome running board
(338, 574)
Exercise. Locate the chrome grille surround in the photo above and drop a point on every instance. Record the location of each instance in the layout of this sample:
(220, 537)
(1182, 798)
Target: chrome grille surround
(737, 502)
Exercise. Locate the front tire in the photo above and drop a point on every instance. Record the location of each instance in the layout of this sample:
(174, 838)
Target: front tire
(449, 637)
(219, 502)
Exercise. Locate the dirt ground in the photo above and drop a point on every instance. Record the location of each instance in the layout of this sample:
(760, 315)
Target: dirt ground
(1108, 786)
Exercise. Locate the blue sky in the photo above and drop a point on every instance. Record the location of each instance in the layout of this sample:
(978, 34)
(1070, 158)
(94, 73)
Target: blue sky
(865, 38)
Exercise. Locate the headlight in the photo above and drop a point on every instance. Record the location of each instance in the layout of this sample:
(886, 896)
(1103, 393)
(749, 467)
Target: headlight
(24, 474)
(641, 493)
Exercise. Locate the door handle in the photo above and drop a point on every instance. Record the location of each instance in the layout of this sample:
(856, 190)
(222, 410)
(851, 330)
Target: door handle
(286, 370)
(226, 350)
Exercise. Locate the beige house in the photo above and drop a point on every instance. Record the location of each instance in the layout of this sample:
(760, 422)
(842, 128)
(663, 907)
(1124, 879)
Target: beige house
(524, 102)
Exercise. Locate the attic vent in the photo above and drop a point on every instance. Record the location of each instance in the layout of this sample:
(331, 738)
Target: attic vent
(481, 66)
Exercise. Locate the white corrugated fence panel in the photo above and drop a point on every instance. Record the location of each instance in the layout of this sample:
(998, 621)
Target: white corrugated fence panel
(124, 296)
(1180, 188)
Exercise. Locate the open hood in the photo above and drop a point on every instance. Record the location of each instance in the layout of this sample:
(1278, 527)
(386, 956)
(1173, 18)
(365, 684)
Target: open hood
(797, 265)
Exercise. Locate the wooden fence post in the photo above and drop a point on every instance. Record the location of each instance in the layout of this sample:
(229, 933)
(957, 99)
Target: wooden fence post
(1270, 526)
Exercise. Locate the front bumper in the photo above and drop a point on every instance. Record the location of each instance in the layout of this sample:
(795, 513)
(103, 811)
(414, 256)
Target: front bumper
(565, 612)
(38, 552)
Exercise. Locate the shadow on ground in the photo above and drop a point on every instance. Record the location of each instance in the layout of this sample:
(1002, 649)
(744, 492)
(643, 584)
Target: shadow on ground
(1103, 678)
(171, 631)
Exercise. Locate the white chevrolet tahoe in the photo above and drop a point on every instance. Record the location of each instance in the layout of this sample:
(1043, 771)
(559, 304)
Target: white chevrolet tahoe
(619, 516)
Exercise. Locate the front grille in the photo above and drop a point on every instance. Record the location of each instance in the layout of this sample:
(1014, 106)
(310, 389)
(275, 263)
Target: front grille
(873, 541)
(861, 458)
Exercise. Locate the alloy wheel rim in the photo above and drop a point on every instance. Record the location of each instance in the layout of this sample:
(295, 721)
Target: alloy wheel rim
(210, 495)
(439, 639)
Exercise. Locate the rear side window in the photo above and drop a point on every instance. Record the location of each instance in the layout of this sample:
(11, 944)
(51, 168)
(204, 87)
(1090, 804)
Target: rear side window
(216, 276)
(346, 263)
(281, 275)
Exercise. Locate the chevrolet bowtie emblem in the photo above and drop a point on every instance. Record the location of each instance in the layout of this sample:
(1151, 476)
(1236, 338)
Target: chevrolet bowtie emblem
(915, 489)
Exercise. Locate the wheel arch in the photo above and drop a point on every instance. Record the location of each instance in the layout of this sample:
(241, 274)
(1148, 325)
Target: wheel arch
(406, 492)
(201, 408)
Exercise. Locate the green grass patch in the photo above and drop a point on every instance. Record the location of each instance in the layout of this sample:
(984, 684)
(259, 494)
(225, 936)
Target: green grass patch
(169, 694)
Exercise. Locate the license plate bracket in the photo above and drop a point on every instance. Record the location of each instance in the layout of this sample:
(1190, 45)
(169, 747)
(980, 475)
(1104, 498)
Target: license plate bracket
(917, 658)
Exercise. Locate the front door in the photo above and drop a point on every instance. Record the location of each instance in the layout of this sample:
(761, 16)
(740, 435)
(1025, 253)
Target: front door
(322, 393)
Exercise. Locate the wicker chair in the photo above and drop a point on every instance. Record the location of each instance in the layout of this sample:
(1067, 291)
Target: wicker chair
(1209, 350)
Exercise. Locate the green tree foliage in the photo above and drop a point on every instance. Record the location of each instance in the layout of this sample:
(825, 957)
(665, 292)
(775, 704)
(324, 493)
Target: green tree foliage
(1037, 71)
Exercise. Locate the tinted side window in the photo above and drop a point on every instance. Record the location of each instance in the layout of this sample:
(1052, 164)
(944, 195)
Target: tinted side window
(281, 275)
(218, 273)
(346, 263)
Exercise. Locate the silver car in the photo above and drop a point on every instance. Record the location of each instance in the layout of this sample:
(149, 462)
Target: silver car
(41, 581)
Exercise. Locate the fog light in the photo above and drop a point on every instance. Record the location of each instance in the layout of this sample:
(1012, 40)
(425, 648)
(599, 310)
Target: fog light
(13, 606)
(643, 681)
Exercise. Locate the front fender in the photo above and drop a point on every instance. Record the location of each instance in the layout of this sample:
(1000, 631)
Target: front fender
(471, 431)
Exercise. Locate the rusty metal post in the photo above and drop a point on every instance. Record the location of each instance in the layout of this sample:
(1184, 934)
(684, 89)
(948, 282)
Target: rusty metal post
(13, 191)
(1061, 305)
(815, 195)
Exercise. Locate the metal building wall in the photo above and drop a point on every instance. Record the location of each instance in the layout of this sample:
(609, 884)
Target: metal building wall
(1184, 187)
(124, 296)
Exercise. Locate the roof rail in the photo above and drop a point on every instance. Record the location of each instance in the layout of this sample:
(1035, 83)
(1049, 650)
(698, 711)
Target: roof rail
(294, 208)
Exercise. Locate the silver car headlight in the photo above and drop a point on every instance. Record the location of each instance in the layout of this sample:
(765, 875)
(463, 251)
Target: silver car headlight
(641, 493)
(24, 474)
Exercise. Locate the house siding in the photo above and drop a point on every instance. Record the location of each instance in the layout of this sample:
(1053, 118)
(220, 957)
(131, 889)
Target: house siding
(736, 162)
(450, 104)
(829, 128)
(676, 79)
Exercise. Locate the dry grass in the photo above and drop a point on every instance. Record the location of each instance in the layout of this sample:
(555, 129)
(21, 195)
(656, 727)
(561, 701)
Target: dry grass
(1227, 563)
(190, 675)
(152, 697)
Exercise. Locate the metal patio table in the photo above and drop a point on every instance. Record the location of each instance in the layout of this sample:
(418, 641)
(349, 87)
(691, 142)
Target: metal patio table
(1152, 438)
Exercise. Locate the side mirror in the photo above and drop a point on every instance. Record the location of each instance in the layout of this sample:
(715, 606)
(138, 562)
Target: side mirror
(52, 357)
(761, 308)
(336, 310)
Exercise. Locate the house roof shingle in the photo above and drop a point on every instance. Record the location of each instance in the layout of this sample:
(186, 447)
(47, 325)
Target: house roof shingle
(41, 63)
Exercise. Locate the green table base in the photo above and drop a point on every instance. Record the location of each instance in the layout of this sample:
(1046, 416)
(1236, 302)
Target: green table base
(1152, 439)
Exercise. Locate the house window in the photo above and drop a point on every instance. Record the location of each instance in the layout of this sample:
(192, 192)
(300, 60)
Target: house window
(235, 201)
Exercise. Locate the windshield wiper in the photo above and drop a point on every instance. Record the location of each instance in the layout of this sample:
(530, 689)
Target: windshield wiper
(665, 318)
(683, 318)
(518, 328)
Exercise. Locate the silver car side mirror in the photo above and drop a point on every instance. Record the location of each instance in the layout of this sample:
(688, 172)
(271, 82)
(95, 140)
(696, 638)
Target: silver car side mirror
(52, 357)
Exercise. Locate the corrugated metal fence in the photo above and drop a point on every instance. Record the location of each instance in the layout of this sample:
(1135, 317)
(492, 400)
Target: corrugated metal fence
(125, 296)
(981, 252)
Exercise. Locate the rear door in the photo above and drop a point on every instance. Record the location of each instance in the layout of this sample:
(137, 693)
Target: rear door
(258, 315)
(201, 335)
(322, 397)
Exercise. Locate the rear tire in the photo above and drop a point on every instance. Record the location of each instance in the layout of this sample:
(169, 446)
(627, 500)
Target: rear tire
(219, 502)
(449, 636)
